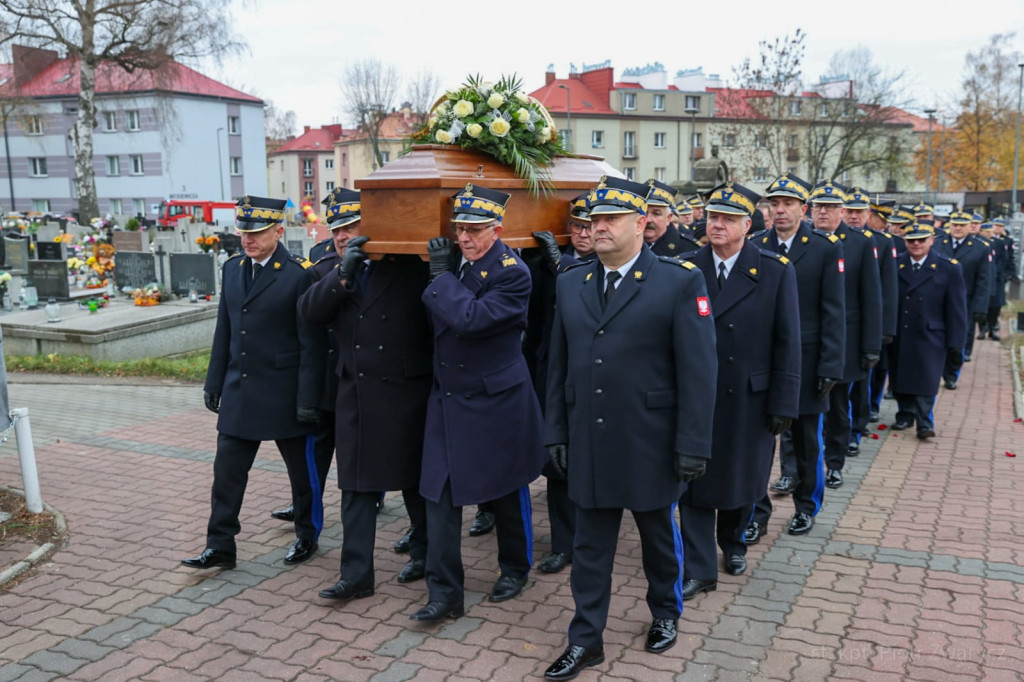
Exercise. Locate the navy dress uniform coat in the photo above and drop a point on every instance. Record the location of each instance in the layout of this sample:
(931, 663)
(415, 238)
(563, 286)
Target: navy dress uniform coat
(1002, 269)
(863, 299)
(885, 250)
(264, 363)
(674, 243)
(757, 324)
(623, 419)
(383, 372)
(933, 319)
(975, 259)
(483, 429)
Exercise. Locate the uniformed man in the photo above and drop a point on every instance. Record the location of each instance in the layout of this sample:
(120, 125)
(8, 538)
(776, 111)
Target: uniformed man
(685, 212)
(858, 216)
(974, 256)
(863, 318)
(881, 211)
(924, 213)
(483, 432)
(753, 296)
(933, 323)
(659, 234)
(536, 345)
(1001, 266)
(697, 204)
(897, 223)
(631, 386)
(264, 381)
(817, 259)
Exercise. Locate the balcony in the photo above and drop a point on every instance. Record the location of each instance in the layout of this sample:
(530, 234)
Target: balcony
(629, 153)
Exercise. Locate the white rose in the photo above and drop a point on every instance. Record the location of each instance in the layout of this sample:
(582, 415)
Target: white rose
(544, 135)
(523, 116)
(499, 127)
(495, 100)
(523, 99)
(432, 122)
(463, 108)
(474, 129)
(443, 136)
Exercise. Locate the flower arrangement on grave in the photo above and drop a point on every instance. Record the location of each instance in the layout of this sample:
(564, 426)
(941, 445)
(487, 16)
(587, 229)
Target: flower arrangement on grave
(208, 242)
(5, 279)
(66, 238)
(149, 294)
(500, 120)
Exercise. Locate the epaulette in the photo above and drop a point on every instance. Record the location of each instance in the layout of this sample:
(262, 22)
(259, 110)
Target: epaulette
(304, 262)
(954, 261)
(772, 256)
(508, 260)
(678, 261)
(577, 265)
(237, 255)
(886, 234)
(867, 233)
(831, 237)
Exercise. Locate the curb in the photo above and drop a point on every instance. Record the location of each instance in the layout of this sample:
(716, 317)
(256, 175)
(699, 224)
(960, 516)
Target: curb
(1018, 392)
(41, 552)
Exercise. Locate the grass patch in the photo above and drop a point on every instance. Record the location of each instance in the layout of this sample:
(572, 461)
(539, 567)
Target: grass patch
(190, 367)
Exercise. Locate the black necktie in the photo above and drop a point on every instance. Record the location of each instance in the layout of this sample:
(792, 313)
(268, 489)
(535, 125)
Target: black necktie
(464, 269)
(721, 276)
(917, 266)
(783, 249)
(609, 288)
(256, 270)
(364, 275)
(956, 246)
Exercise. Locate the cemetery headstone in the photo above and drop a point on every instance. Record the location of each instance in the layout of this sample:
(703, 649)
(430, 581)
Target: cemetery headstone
(50, 278)
(135, 269)
(193, 271)
(51, 251)
(130, 241)
(16, 254)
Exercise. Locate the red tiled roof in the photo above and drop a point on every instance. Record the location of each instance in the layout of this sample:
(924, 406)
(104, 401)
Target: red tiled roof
(317, 140)
(628, 86)
(60, 79)
(735, 102)
(396, 126)
(586, 95)
(919, 123)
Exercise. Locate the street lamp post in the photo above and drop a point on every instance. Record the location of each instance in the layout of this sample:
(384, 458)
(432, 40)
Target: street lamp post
(568, 116)
(692, 111)
(1016, 145)
(928, 160)
(220, 165)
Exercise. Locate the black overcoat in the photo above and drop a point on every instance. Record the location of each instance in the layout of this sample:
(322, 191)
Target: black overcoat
(975, 257)
(863, 299)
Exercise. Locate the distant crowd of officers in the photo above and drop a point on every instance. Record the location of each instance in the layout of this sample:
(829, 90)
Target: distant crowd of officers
(650, 364)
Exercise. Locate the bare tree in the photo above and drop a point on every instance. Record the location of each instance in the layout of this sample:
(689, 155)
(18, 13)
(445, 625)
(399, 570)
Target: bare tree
(368, 91)
(130, 35)
(280, 125)
(422, 92)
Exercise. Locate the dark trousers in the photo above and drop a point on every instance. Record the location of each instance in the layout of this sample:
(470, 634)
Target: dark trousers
(597, 534)
(231, 467)
(860, 408)
(954, 362)
(323, 448)
(698, 526)
(513, 523)
(359, 523)
(562, 513)
(916, 409)
(805, 442)
(877, 387)
(993, 318)
(837, 426)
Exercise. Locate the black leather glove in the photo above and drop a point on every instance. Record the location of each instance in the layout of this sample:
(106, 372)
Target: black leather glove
(352, 260)
(439, 249)
(868, 360)
(981, 318)
(886, 340)
(212, 401)
(779, 424)
(307, 415)
(956, 351)
(559, 454)
(550, 246)
(825, 385)
(689, 467)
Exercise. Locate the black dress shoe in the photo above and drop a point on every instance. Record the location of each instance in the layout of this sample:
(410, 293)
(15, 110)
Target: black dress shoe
(950, 384)
(900, 426)
(925, 433)
(482, 524)
(439, 610)
(286, 514)
(873, 418)
(981, 335)
(211, 558)
(735, 564)
(784, 486)
(346, 589)
(753, 534)
(833, 479)
(967, 357)
(554, 562)
(413, 570)
(301, 550)
(691, 587)
(800, 524)
(572, 660)
(402, 543)
(852, 449)
(661, 636)
(507, 587)
(994, 336)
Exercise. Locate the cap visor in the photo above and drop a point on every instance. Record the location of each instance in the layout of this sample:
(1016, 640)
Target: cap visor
(723, 208)
(609, 209)
(252, 226)
(472, 218)
(347, 220)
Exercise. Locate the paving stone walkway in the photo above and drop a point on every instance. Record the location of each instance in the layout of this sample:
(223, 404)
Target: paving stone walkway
(912, 572)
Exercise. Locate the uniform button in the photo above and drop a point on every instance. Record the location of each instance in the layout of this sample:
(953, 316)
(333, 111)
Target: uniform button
(598, 392)
(243, 332)
(462, 367)
(600, 332)
(380, 348)
(383, 378)
(444, 364)
(600, 420)
(433, 293)
(357, 346)
(458, 336)
(245, 376)
(243, 353)
(334, 291)
(599, 361)
(383, 317)
(245, 310)
(466, 396)
(730, 391)
(362, 317)
(447, 394)
(730, 361)
(361, 375)
(731, 327)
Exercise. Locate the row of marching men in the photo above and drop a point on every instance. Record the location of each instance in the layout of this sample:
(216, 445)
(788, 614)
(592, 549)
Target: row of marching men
(661, 378)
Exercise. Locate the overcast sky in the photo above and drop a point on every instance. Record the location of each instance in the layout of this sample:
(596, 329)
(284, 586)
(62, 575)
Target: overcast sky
(299, 48)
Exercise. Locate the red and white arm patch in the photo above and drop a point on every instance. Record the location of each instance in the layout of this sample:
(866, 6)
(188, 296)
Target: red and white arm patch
(875, 249)
(703, 307)
(842, 264)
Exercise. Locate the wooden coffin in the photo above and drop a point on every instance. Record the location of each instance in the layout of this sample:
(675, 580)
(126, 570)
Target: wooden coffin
(409, 201)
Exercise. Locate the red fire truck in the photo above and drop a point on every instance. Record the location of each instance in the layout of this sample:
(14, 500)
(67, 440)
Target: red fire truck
(194, 211)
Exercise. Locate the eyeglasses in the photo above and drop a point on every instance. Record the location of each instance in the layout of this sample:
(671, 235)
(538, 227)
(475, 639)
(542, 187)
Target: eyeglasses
(460, 230)
(826, 207)
(578, 228)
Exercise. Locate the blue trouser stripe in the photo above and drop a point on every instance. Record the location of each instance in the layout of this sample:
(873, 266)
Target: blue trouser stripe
(317, 505)
(526, 511)
(819, 467)
(677, 541)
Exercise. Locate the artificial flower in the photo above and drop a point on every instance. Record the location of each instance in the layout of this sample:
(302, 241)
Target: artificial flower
(474, 130)
(499, 127)
(463, 108)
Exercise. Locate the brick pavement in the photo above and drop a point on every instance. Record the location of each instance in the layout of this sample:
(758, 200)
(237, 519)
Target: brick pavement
(913, 570)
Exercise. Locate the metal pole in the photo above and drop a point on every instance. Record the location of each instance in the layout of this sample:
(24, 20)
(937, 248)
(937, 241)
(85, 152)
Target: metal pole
(568, 116)
(10, 174)
(1016, 146)
(220, 165)
(928, 160)
(27, 455)
(942, 155)
(692, 111)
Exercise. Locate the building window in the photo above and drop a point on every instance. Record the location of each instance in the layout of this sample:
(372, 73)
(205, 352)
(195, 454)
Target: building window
(761, 140)
(385, 156)
(282, 164)
(822, 140)
(38, 167)
(344, 159)
(307, 168)
(659, 102)
(140, 206)
(698, 139)
(234, 125)
(794, 140)
(116, 206)
(137, 167)
(597, 139)
(846, 109)
(729, 140)
(329, 164)
(133, 120)
(629, 145)
(113, 165)
(282, 188)
(35, 125)
(629, 172)
(868, 173)
(308, 189)
(41, 205)
(795, 107)
(659, 173)
(109, 121)
(629, 101)
(761, 174)
(823, 109)
(659, 140)
(330, 186)
(563, 135)
(235, 165)
(693, 102)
